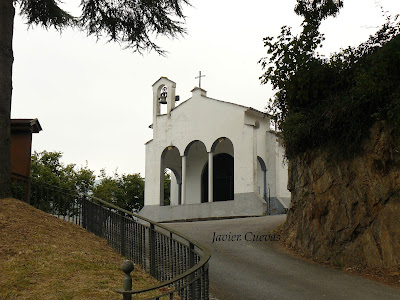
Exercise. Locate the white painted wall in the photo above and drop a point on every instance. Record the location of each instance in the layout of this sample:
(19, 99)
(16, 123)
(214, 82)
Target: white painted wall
(282, 171)
(152, 174)
(270, 161)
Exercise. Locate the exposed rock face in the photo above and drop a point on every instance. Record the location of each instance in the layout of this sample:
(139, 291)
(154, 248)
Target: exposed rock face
(348, 212)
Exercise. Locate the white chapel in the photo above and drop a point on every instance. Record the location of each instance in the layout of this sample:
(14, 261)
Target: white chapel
(224, 159)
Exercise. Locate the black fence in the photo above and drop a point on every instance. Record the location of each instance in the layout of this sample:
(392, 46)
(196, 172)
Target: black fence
(180, 264)
(62, 203)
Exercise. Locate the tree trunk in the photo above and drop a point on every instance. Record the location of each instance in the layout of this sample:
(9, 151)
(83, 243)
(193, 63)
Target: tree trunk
(7, 12)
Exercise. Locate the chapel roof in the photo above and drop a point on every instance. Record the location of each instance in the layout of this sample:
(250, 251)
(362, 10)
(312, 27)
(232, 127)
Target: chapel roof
(249, 109)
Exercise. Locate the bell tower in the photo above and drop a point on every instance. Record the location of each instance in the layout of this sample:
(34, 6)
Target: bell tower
(163, 93)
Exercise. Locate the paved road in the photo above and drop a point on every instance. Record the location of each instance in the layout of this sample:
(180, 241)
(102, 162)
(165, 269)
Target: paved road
(244, 269)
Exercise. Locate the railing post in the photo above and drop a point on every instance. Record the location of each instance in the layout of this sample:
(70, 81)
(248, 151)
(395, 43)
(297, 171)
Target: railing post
(84, 211)
(35, 200)
(191, 276)
(152, 249)
(123, 235)
(127, 268)
(207, 282)
(28, 191)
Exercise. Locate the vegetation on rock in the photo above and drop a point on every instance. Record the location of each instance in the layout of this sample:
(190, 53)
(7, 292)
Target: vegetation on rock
(331, 102)
(340, 122)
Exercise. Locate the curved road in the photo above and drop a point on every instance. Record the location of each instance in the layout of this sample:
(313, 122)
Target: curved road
(244, 266)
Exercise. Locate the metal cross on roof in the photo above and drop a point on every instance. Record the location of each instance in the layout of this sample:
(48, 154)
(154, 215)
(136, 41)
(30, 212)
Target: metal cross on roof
(199, 77)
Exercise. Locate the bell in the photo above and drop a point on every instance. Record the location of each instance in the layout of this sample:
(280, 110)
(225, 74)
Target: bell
(163, 95)
(163, 98)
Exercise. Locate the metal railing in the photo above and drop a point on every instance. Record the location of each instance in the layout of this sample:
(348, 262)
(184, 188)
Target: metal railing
(178, 262)
(20, 186)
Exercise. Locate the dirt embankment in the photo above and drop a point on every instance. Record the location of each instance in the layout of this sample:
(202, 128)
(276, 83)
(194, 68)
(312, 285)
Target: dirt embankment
(43, 257)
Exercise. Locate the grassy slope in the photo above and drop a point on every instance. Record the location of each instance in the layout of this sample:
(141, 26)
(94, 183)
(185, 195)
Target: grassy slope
(42, 257)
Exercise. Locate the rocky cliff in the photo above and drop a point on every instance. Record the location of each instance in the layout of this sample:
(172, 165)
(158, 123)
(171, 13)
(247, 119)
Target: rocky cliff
(348, 212)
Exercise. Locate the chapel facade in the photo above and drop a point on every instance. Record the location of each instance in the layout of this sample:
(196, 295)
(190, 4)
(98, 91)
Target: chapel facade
(223, 158)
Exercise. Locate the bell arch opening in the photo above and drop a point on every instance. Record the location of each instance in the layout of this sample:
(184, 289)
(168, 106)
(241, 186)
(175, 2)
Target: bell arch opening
(162, 100)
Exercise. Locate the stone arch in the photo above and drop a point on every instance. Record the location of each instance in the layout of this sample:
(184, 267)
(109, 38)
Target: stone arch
(194, 142)
(224, 145)
(261, 178)
(171, 159)
(177, 175)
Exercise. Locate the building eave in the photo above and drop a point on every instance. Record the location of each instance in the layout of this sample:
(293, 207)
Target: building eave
(31, 125)
(256, 113)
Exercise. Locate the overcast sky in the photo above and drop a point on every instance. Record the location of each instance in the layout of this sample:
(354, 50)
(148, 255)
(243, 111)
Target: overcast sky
(94, 99)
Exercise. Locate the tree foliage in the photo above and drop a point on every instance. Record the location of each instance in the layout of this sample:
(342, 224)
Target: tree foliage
(46, 13)
(47, 167)
(125, 191)
(167, 188)
(331, 102)
(133, 23)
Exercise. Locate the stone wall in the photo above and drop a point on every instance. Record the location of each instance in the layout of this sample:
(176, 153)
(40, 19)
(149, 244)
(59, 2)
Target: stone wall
(348, 212)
